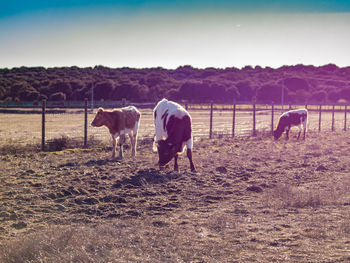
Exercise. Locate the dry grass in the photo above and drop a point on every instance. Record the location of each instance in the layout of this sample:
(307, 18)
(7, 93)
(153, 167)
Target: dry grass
(252, 199)
(286, 196)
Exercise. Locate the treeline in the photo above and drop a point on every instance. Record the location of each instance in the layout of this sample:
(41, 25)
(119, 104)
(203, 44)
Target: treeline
(299, 84)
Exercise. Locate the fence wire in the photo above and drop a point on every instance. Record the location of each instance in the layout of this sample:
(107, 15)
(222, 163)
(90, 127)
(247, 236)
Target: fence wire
(25, 128)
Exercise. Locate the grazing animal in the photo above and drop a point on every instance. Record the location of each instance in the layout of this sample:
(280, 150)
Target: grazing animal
(119, 122)
(173, 129)
(289, 119)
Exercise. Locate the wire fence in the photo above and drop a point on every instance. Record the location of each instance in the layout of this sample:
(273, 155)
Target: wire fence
(40, 125)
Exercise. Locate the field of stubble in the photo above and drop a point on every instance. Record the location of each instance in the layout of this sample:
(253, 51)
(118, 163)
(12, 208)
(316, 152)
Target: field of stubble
(251, 200)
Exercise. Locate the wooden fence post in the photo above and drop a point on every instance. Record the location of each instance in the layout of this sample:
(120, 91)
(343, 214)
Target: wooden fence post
(272, 117)
(123, 102)
(233, 120)
(345, 110)
(333, 118)
(43, 104)
(254, 119)
(85, 122)
(319, 118)
(211, 120)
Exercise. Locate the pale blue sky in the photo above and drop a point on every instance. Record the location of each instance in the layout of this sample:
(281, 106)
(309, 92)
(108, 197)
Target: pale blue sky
(143, 33)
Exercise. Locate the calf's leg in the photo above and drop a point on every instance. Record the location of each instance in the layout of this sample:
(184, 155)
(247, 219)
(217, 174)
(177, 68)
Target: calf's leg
(133, 146)
(189, 155)
(120, 143)
(134, 135)
(114, 141)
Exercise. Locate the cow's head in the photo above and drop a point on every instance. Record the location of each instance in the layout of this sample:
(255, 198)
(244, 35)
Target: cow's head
(166, 152)
(277, 134)
(99, 118)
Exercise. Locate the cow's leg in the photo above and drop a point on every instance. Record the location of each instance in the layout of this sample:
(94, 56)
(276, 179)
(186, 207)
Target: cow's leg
(120, 143)
(304, 127)
(114, 141)
(176, 166)
(134, 135)
(299, 132)
(287, 134)
(189, 155)
(133, 142)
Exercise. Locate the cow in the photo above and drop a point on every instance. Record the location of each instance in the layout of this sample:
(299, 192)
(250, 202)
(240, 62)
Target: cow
(291, 118)
(119, 121)
(173, 133)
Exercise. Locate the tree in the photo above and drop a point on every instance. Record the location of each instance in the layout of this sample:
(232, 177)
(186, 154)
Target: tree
(58, 96)
(319, 96)
(294, 84)
(60, 86)
(333, 95)
(270, 93)
(102, 90)
(231, 94)
(345, 93)
(246, 91)
(218, 92)
(187, 91)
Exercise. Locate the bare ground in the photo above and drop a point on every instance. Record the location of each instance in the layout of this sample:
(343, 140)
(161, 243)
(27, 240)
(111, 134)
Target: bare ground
(251, 200)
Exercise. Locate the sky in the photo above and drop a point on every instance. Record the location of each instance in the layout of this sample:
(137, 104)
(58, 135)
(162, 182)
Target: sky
(169, 34)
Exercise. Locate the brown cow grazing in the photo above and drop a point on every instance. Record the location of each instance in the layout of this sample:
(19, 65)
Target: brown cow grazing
(173, 132)
(119, 122)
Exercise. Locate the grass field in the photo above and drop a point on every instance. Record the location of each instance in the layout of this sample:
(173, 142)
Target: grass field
(252, 199)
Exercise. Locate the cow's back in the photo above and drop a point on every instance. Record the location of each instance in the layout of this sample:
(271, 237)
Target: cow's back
(130, 115)
(162, 113)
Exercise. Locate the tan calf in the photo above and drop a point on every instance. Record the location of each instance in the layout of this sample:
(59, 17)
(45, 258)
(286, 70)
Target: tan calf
(119, 121)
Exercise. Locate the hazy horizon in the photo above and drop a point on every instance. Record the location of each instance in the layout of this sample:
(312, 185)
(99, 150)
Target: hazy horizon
(145, 34)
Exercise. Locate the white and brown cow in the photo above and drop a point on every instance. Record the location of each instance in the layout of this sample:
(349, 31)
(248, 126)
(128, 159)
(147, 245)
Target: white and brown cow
(173, 131)
(120, 122)
(291, 118)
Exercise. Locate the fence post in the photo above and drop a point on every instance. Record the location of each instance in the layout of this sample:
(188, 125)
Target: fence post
(319, 118)
(333, 118)
(85, 122)
(272, 117)
(345, 117)
(254, 119)
(43, 104)
(211, 120)
(123, 102)
(186, 106)
(233, 119)
(92, 98)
